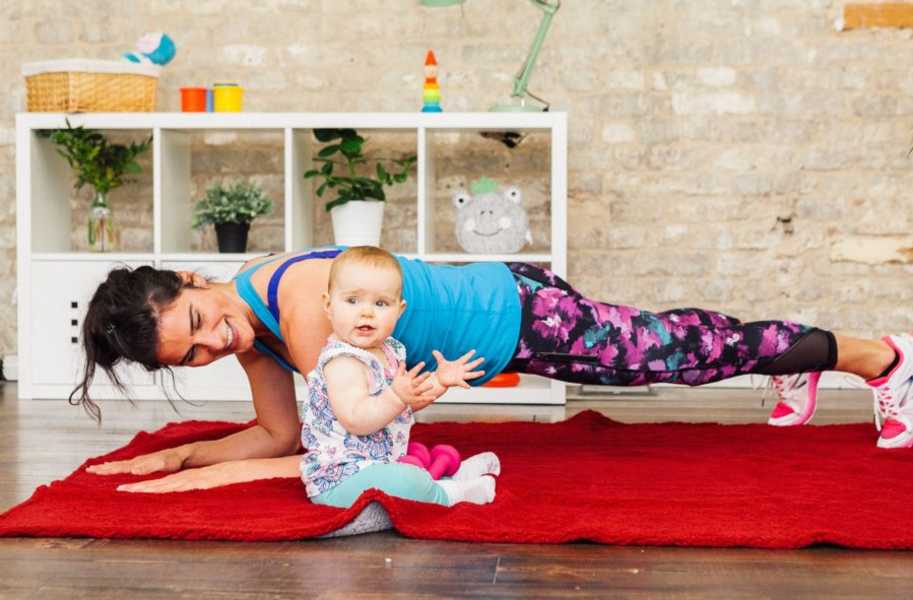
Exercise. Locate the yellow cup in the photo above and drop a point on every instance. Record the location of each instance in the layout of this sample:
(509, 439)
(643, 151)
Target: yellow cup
(227, 98)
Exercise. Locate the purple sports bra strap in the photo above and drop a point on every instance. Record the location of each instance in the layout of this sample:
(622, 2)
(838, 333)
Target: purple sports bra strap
(272, 294)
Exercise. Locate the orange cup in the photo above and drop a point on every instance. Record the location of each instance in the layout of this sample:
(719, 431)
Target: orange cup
(193, 99)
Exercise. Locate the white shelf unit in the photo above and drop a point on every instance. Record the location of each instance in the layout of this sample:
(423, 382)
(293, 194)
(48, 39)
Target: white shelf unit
(55, 283)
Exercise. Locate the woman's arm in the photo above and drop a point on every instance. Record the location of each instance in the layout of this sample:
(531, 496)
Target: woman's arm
(226, 473)
(278, 428)
(276, 433)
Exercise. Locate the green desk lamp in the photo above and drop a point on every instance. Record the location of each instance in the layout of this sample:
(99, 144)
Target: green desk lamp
(520, 103)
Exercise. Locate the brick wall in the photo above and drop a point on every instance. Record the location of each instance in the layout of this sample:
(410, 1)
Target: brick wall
(743, 156)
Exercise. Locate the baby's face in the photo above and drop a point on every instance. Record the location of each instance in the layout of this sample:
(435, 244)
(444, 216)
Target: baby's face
(365, 304)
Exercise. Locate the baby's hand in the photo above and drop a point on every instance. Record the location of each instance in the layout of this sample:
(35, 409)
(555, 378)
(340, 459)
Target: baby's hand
(455, 373)
(413, 389)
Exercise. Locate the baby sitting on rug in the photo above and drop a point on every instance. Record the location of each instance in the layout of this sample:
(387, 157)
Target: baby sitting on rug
(361, 401)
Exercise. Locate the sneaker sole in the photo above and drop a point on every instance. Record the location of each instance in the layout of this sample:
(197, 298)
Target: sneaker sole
(904, 440)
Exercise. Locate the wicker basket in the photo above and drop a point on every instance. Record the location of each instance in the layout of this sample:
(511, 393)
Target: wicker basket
(90, 86)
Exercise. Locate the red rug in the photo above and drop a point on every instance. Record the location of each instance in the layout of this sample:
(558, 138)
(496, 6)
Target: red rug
(588, 478)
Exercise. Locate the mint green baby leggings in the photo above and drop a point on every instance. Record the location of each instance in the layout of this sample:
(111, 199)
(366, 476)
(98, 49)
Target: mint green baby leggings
(393, 479)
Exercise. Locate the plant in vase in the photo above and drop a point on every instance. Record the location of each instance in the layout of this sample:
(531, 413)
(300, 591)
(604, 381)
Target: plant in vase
(102, 165)
(357, 210)
(231, 209)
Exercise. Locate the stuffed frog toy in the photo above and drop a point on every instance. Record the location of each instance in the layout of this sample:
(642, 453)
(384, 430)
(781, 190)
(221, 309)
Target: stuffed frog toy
(489, 221)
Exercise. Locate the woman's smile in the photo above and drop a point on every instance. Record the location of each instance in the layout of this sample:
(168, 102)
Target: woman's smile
(229, 344)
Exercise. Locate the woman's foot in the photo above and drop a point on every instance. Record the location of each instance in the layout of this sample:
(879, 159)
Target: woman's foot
(894, 396)
(485, 463)
(480, 490)
(798, 398)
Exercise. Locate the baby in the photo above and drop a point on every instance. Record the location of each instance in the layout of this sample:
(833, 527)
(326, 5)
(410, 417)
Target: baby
(361, 399)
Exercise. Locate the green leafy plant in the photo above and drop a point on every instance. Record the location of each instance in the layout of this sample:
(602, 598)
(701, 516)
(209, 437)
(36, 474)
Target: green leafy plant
(241, 202)
(348, 145)
(95, 160)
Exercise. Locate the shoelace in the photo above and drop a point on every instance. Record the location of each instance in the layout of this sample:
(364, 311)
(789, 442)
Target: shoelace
(884, 404)
(782, 385)
(890, 406)
(765, 384)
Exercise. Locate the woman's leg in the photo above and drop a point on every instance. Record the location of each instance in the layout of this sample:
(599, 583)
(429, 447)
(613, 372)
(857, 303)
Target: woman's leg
(866, 358)
(567, 336)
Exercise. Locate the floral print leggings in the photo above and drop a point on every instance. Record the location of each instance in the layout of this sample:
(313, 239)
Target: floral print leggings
(566, 336)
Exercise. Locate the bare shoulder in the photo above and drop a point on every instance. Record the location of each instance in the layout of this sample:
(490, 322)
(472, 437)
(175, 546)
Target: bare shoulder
(255, 261)
(301, 298)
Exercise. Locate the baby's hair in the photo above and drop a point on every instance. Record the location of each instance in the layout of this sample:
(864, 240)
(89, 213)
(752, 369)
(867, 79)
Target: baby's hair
(366, 255)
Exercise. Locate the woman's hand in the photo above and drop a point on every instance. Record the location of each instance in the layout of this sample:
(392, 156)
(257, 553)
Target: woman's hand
(413, 389)
(457, 372)
(204, 478)
(168, 460)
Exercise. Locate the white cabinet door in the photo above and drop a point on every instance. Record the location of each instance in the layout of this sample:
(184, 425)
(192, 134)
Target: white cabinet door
(60, 294)
(223, 379)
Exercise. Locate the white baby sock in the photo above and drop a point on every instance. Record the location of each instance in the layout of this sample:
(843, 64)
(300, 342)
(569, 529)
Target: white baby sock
(486, 463)
(480, 490)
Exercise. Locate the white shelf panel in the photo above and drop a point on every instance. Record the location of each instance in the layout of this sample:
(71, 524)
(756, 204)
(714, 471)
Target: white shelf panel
(531, 390)
(243, 257)
(246, 120)
(209, 256)
(94, 256)
(470, 258)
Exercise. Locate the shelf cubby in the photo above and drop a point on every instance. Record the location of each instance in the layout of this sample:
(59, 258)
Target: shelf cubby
(59, 212)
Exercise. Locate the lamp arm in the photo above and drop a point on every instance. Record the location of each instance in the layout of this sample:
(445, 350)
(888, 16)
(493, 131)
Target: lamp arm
(521, 80)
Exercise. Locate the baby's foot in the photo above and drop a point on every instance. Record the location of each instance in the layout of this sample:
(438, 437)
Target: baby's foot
(486, 463)
(480, 490)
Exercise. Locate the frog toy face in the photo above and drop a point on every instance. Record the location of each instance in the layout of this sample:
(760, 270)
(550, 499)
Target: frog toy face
(490, 221)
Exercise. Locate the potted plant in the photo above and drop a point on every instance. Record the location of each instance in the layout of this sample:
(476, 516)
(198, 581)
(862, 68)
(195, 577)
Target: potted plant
(230, 209)
(103, 166)
(357, 210)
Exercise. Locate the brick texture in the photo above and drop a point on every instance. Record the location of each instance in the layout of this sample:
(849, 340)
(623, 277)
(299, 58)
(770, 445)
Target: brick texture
(744, 156)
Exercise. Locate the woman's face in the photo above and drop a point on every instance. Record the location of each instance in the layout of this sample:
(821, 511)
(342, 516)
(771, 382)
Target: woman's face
(203, 324)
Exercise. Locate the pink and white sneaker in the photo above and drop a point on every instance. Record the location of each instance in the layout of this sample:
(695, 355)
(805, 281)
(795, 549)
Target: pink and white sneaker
(798, 398)
(893, 396)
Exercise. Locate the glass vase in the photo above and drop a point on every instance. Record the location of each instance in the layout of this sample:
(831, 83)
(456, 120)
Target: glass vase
(101, 232)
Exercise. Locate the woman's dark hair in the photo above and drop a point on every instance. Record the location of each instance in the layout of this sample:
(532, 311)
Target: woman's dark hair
(122, 323)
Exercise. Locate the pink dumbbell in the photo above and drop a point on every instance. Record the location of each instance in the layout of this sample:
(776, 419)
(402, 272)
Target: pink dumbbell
(445, 460)
(416, 454)
(442, 461)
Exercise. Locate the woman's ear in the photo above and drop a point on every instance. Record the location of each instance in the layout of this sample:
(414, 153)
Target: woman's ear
(193, 279)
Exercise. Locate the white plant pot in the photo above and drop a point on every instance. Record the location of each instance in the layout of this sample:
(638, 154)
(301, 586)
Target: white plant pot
(358, 223)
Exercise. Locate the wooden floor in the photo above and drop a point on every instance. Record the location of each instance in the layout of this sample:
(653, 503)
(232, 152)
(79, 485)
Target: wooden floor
(45, 440)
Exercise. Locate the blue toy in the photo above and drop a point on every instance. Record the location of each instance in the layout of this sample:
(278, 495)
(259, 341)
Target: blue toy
(153, 48)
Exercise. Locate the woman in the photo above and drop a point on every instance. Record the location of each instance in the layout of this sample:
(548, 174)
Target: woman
(518, 316)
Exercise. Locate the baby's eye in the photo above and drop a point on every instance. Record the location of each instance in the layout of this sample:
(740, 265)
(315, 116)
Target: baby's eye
(381, 303)
(351, 299)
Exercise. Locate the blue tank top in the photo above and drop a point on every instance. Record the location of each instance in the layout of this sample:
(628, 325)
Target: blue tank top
(450, 309)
